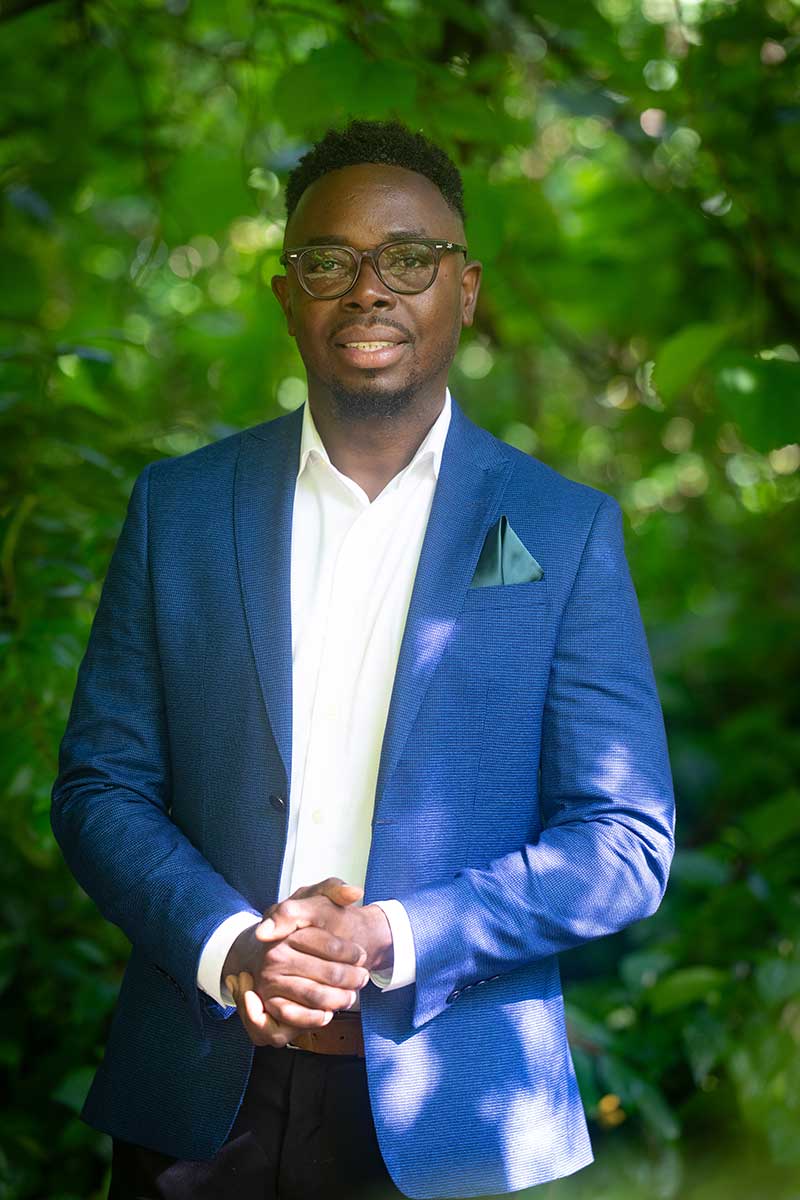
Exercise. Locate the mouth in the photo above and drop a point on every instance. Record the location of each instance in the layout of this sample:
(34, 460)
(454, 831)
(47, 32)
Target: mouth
(378, 353)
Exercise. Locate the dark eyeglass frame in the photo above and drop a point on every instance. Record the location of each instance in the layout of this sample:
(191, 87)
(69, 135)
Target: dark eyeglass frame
(438, 244)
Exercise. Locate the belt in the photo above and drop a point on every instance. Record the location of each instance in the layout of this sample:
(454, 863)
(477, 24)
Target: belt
(342, 1035)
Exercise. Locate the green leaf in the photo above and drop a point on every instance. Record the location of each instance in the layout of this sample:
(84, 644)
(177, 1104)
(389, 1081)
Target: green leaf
(585, 1028)
(74, 1088)
(774, 821)
(763, 397)
(685, 986)
(320, 91)
(386, 88)
(638, 1094)
(699, 869)
(642, 969)
(682, 357)
(705, 1040)
(778, 980)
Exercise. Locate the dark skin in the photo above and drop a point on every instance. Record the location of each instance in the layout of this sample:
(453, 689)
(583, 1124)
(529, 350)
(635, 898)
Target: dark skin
(313, 951)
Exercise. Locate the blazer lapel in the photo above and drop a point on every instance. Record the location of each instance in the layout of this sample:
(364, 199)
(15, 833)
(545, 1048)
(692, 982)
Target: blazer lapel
(266, 473)
(469, 492)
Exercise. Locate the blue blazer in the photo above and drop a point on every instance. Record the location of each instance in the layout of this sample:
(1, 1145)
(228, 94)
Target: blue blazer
(523, 804)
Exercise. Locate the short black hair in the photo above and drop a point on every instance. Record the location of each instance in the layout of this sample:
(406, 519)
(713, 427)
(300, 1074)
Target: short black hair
(388, 142)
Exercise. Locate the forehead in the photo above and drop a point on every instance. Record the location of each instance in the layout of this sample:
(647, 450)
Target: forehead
(369, 203)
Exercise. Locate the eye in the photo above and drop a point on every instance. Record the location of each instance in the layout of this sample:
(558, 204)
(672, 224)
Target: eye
(325, 262)
(407, 258)
(321, 265)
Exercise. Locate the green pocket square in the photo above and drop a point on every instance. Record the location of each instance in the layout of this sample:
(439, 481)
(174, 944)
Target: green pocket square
(504, 559)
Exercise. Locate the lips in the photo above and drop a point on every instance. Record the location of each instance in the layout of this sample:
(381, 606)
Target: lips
(369, 345)
(373, 347)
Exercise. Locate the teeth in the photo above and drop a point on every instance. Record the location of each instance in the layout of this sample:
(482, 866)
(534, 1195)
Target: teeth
(369, 345)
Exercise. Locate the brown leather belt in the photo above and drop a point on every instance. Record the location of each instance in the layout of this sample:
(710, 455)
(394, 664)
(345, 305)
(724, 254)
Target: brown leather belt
(342, 1035)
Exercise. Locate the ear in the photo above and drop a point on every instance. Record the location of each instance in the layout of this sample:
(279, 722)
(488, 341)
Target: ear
(470, 286)
(280, 286)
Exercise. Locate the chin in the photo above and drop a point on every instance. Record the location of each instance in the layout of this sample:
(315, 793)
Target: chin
(371, 398)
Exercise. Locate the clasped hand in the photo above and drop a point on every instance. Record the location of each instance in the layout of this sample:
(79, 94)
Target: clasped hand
(309, 958)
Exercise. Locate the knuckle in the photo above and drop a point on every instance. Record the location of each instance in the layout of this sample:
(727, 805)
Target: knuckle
(275, 954)
(337, 974)
(314, 997)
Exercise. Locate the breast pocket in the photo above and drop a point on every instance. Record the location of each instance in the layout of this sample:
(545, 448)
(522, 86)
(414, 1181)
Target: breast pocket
(505, 629)
(512, 597)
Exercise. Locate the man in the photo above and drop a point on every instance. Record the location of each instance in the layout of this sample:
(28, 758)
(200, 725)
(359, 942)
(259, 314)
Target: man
(363, 651)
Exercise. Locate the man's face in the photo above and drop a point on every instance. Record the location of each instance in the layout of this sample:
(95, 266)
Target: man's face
(363, 206)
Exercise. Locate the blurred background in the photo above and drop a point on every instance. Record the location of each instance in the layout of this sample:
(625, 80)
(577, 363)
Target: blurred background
(631, 171)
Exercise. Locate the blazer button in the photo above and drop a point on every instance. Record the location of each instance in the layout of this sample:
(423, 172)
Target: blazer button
(277, 802)
(453, 996)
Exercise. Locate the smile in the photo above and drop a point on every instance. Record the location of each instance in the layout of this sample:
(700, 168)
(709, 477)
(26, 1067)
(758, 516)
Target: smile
(370, 345)
(368, 354)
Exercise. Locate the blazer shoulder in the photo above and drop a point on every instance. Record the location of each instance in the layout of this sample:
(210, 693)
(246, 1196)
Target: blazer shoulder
(205, 459)
(531, 476)
(207, 462)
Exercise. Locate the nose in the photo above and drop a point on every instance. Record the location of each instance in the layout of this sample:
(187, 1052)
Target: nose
(368, 291)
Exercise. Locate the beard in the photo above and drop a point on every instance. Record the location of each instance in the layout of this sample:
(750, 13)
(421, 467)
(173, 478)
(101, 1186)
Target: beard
(364, 403)
(371, 401)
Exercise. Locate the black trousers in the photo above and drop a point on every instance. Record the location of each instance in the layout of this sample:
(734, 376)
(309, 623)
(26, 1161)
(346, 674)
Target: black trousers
(304, 1132)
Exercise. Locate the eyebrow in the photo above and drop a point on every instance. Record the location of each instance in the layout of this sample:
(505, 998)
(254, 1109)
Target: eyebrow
(340, 239)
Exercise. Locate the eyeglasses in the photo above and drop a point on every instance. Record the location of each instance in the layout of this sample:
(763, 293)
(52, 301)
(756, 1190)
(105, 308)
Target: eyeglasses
(407, 267)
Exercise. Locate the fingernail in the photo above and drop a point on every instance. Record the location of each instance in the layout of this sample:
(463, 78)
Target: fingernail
(266, 928)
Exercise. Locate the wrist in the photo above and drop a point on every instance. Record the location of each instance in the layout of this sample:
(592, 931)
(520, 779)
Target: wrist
(241, 955)
(380, 952)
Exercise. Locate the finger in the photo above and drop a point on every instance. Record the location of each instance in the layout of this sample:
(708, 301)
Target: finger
(315, 889)
(316, 997)
(322, 944)
(299, 911)
(250, 1001)
(262, 1027)
(291, 914)
(297, 1016)
(335, 889)
(342, 893)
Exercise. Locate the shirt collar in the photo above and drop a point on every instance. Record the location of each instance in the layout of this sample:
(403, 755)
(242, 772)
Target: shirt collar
(431, 447)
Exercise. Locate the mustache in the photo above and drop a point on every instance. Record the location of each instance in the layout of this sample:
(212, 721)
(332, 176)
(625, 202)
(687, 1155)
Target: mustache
(361, 323)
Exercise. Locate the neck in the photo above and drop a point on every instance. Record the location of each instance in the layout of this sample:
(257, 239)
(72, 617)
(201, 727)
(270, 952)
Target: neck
(373, 448)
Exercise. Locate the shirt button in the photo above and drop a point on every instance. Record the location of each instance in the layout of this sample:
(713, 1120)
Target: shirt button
(277, 802)
(317, 816)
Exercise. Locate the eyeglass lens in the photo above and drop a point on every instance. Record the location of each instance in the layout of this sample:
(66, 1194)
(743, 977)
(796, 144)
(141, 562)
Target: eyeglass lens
(404, 267)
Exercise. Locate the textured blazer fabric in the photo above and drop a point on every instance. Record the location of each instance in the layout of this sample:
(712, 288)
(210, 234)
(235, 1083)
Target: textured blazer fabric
(523, 804)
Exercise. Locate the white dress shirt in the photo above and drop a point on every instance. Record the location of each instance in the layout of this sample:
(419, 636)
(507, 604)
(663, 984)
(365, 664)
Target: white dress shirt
(353, 565)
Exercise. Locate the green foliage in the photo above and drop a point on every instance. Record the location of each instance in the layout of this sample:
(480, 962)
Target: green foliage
(630, 170)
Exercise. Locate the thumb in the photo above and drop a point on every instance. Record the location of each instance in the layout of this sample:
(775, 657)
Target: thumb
(343, 893)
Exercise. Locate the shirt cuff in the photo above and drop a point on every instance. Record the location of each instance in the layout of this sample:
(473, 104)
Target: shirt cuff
(404, 969)
(215, 951)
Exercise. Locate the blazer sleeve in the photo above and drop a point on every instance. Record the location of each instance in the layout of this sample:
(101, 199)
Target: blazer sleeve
(603, 856)
(111, 801)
